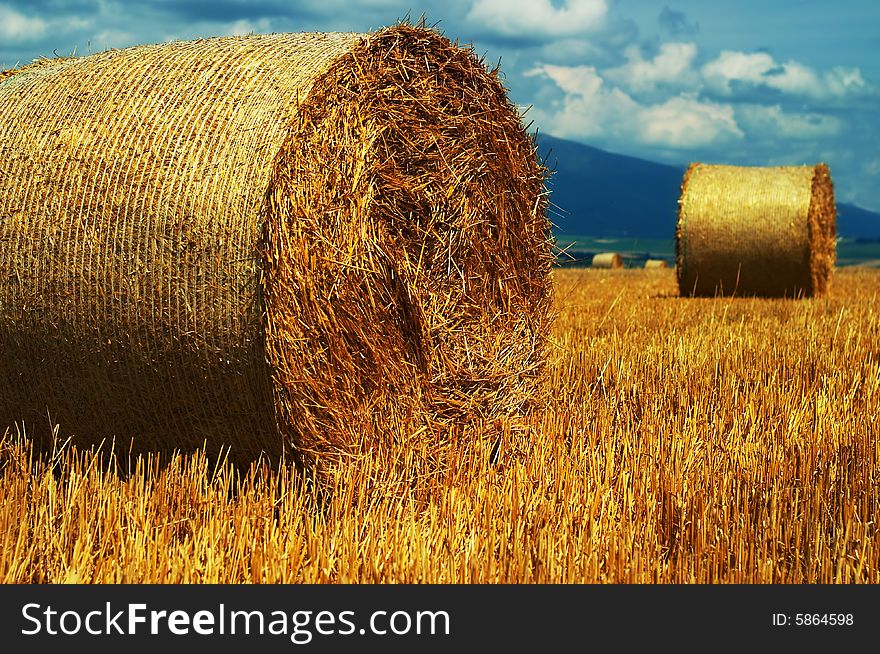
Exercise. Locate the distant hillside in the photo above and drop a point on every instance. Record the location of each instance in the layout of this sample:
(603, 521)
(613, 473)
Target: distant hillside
(602, 194)
(855, 222)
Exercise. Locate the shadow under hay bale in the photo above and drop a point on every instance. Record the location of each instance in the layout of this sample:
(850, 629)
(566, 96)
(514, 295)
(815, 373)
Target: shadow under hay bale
(765, 231)
(607, 260)
(330, 242)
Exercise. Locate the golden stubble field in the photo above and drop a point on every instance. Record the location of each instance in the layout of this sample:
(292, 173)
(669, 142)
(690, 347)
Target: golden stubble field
(686, 440)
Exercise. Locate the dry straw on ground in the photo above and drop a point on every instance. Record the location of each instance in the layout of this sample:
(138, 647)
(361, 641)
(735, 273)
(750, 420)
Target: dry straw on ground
(335, 241)
(685, 441)
(653, 264)
(755, 230)
(607, 260)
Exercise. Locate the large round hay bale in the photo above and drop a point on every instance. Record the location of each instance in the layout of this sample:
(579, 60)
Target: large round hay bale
(335, 241)
(766, 231)
(655, 264)
(607, 260)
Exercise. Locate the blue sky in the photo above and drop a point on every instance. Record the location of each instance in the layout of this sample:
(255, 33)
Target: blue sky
(760, 82)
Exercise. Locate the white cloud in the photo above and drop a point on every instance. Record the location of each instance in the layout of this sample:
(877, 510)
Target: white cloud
(792, 77)
(235, 28)
(538, 18)
(577, 80)
(590, 109)
(687, 122)
(17, 27)
(71, 24)
(774, 121)
(245, 27)
(672, 65)
(568, 50)
(842, 81)
(760, 69)
(736, 66)
(111, 38)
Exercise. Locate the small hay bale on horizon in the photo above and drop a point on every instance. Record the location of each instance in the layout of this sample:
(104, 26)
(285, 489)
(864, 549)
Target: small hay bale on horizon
(607, 260)
(655, 264)
(755, 231)
(335, 242)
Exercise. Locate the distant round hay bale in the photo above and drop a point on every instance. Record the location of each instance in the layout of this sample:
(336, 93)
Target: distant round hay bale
(607, 260)
(653, 264)
(767, 231)
(332, 241)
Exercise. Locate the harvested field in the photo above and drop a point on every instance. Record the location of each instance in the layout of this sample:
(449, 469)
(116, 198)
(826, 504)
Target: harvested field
(687, 440)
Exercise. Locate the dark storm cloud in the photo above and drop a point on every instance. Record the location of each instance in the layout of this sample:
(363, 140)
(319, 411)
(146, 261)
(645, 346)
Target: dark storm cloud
(233, 10)
(676, 23)
(48, 7)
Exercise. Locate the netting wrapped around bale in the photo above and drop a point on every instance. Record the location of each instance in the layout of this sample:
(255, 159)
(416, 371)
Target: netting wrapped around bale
(607, 260)
(766, 231)
(331, 241)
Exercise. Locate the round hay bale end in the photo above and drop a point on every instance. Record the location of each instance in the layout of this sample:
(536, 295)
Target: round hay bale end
(655, 264)
(763, 231)
(607, 260)
(331, 241)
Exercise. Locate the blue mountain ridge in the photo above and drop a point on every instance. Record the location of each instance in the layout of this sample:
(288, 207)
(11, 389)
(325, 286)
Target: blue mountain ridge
(602, 194)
